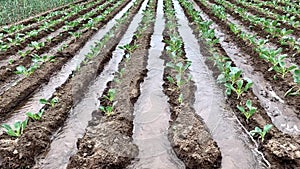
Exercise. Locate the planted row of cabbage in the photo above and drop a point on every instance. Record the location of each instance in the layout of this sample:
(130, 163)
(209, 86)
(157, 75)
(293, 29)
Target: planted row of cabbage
(272, 142)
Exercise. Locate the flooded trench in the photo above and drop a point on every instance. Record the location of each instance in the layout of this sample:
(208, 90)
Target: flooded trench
(151, 112)
(46, 91)
(282, 115)
(64, 142)
(236, 146)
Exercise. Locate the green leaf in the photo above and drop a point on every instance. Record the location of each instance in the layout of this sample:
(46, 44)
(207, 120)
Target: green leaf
(43, 101)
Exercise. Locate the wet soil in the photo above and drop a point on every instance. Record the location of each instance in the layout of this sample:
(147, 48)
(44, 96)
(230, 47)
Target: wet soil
(210, 104)
(189, 136)
(37, 137)
(108, 141)
(31, 19)
(7, 73)
(16, 94)
(281, 150)
(259, 29)
(12, 50)
(263, 15)
(280, 86)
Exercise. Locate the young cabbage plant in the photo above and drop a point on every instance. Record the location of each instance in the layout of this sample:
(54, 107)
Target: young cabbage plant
(52, 102)
(35, 116)
(22, 70)
(17, 129)
(179, 67)
(247, 113)
(180, 99)
(280, 67)
(108, 110)
(111, 94)
(24, 54)
(234, 74)
(260, 132)
(238, 87)
(295, 90)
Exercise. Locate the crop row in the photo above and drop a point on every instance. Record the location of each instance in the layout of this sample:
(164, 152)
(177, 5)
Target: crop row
(285, 9)
(201, 151)
(28, 24)
(28, 64)
(281, 72)
(57, 108)
(246, 107)
(287, 19)
(270, 27)
(13, 45)
(115, 114)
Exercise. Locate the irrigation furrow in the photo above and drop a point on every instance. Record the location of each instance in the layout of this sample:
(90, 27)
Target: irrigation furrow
(36, 22)
(38, 133)
(64, 142)
(280, 86)
(32, 20)
(283, 115)
(151, 111)
(14, 48)
(281, 150)
(16, 94)
(7, 73)
(107, 142)
(273, 16)
(210, 105)
(188, 134)
(32, 103)
(260, 30)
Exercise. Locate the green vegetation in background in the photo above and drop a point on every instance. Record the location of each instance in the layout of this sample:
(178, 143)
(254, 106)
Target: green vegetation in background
(16, 10)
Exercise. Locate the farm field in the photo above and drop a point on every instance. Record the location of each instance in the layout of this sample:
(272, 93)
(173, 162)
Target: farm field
(152, 84)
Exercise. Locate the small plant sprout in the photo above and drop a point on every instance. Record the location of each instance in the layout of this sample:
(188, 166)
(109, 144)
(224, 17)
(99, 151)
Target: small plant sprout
(180, 98)
(35, 116)
(108, 110)
(260, 132)
(180, 67)
(250, 112)
(111, 94)
(51, 103)
(291, 91)
(17, 129)
(238, 88)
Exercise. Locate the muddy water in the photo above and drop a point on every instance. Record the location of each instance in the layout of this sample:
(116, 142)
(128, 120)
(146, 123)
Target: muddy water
(64, 142)
(46, 91)
(236, 146)
(282, 115)
(151, 110)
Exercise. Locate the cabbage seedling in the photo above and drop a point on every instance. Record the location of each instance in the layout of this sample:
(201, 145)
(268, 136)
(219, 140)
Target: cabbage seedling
(262, 133)
(180, 98)
(111, 94)
(35, 116)
(51, 103)
(250, 112)
(108, 110)
(239, 89)
(17, 129)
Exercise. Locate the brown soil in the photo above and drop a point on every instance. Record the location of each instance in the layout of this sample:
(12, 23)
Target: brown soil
(23, 152)
(289, 50)
(16, 94)
(31, 19)
(280, 86)
(188, 134)
(108, 140)
(7, 72)
(14, 49)
(263, 15)
(281, 150)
